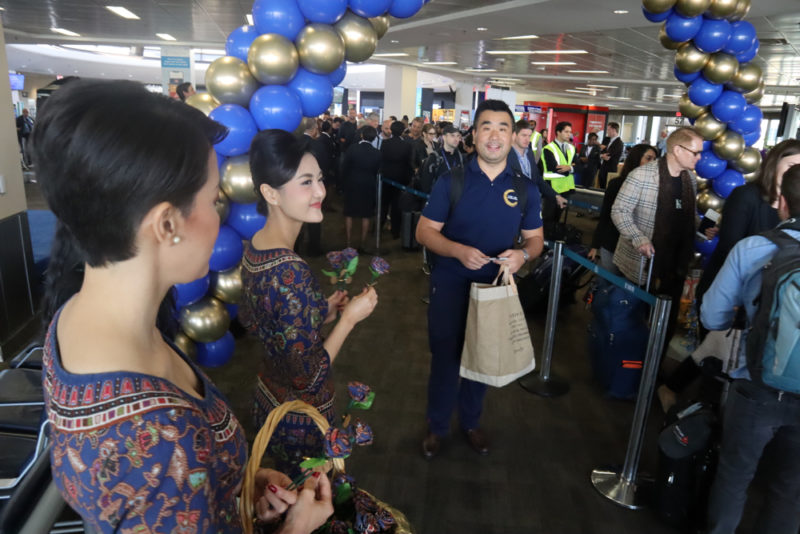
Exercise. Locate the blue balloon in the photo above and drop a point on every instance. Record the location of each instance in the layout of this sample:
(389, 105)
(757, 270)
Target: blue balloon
(239, 41)
(191, 292)
(657, 17)
(246, 219)
(241, 129)
(402, 9)
(323, 11)
(315, 91)
(706, 246)
(748, 121)
(278, 16)
(713, 35)
(750, 53)
(338, 75)
(276, 106)
(743, 35)
(233, 310)
(369, 8)
(704, 93)
(686, 78)
(728, 106)
(680, 29)
(727, 182)
(707, 146)
(709, 165)
(227, 249)
(751, 138)
(216, 353)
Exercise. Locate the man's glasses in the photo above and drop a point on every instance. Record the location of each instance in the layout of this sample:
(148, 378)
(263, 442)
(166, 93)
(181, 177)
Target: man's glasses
(695, 153)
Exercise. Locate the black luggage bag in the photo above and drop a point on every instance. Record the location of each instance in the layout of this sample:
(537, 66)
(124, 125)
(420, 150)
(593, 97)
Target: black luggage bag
(534, 288)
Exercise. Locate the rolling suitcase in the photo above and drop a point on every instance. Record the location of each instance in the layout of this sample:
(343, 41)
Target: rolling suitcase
(618, 337)
(534, 288)
(408, 230)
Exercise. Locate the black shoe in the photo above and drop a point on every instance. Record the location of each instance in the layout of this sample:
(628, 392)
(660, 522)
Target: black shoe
(431, 445)
(478, 440)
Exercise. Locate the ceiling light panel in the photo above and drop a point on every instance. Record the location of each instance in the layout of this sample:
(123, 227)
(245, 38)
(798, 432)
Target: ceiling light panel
(123, 12)
(517, 37)
(553, 63)
(66, 32)
(165, 36)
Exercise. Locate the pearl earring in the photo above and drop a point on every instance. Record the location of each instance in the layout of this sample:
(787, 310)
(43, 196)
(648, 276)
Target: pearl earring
(176, 239)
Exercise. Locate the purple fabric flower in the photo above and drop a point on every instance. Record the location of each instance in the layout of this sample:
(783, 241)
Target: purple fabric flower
(339, 527)
(343, 478)
(338, 443)
(336, 259)
(370, 517)
(358, 391)
(363, 433)
(348, 254)
(379, 266)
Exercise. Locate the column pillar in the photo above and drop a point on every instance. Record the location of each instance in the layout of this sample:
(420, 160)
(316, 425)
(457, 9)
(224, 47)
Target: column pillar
(464, 102)
(12, 190)
(400, 93)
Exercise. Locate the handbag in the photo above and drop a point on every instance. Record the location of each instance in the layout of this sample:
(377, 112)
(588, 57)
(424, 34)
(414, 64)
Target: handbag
(497, 343)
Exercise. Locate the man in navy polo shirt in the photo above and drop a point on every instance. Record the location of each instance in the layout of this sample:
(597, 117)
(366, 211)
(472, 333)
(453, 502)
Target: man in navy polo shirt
(471, 240)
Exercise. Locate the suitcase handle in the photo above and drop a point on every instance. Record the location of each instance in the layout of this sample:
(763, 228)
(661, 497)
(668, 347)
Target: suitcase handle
(649, 271)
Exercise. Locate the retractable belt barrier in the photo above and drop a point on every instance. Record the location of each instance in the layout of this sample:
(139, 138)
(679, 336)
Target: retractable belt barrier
(621, 486)
(379, 192)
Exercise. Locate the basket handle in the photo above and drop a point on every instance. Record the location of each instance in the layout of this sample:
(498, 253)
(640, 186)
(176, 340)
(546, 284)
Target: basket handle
(246, 508)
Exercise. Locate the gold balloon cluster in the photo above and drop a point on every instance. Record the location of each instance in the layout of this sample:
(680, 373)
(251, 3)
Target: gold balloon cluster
(227, 285)
(236, 181)
(205, 321)
(273, 59)
(203, 101)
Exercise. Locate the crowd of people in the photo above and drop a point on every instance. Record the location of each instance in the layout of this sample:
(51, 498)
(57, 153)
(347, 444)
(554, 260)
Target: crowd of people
(144, 440)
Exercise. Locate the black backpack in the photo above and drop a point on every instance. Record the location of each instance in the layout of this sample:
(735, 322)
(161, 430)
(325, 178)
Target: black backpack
(519, 181)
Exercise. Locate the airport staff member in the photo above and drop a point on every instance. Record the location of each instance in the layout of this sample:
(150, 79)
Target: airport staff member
(483, 223)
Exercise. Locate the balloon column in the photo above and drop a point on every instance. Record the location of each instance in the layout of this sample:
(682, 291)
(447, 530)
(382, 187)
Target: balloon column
(275, 72)
(714, 52)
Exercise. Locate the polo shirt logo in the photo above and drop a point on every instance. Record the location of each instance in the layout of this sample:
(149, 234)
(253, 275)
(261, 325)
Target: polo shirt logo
(510, 197)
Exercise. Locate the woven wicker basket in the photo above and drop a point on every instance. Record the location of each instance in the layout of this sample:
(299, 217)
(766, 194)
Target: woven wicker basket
(246, 508)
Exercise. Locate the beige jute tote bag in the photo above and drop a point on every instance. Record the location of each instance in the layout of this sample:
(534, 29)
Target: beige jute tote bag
(497, 344)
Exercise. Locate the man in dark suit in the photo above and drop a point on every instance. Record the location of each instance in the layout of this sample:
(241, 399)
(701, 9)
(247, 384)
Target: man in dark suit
(395, 165)
(611, 151)
(347, 131)
(588, 161)
(522, 159)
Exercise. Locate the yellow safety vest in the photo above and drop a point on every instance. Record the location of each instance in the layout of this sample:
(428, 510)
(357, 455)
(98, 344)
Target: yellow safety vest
(559, 182)
(535, 136)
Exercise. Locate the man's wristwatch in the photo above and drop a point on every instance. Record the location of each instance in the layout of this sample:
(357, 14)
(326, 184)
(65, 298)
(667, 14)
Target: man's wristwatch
(525, 255)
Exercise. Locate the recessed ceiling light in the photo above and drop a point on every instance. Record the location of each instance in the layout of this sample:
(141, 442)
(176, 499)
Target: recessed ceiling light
(553, 63)
(166, 36)
(618, 97)
(589, 89)
(62, 31)
(2, 9)
(394, 41)
(588, 71)
(390, 54)
(603, 86)
(640, 106)
(518, 37)
(440, 62)
(249, 18)
(560, 52)
(621, 11)
(471, 69)
(580, 92)
(123, 12)
(481, 29)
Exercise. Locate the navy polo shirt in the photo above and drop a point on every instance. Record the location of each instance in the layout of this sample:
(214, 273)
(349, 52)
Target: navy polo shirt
(486, 217)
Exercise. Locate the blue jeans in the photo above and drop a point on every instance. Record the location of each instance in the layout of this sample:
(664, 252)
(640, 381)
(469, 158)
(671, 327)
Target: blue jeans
(447, 317)
(754, 417)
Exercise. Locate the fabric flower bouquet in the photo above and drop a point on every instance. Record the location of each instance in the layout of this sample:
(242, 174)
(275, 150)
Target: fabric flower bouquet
(344, 263)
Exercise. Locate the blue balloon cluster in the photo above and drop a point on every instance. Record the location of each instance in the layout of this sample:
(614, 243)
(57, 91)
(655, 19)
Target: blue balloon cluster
(733, 104)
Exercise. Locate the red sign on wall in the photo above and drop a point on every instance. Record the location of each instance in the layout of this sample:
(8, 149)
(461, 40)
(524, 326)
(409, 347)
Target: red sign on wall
(596, 123)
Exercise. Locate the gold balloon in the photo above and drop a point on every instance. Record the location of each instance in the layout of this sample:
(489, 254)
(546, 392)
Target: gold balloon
(236, 181)
(689, 59)
(320, 48)
(703, 184)
(720, 9)
(360, 39)
(747, 78)
(223, 206)
(721, 67)
(230, 81)
(752, 176)
(742, 9)
(203, 101)
(658, 6)
(273, 59)
(186, 345)
(690, 109)
(381, 25)
(692, 8)
(730, 146)
(666, 42)
(709, 127)
(708, 200)
(756, 94)
(206, 320)
(227, 285)
(748, 162)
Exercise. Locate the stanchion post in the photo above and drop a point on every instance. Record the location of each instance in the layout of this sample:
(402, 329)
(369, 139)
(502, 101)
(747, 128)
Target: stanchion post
(379, 192)
(623, 487)
(541, 382)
